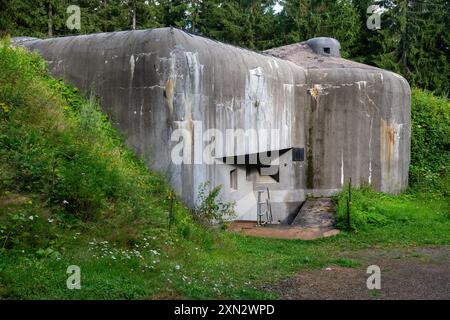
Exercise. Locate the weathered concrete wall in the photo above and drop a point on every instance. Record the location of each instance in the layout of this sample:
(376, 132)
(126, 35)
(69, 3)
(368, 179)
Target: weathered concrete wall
(357, 123)
(352, 122)
(359, 128)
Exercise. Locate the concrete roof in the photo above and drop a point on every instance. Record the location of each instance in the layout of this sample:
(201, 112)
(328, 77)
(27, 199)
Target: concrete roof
(302, 55)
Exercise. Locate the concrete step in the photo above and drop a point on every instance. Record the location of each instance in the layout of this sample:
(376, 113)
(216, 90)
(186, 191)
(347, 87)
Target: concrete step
(316, 213)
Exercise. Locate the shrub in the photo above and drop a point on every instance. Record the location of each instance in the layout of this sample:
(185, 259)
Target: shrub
(24, 224)
(18, 72)
(365, 209)
(212, 209)
(430, 143)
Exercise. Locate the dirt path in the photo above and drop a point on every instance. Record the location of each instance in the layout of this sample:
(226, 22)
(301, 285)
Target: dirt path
(415, 273)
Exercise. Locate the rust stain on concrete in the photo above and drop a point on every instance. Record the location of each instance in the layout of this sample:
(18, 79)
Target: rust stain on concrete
(315, 92)
(387, 138)
(168, 94)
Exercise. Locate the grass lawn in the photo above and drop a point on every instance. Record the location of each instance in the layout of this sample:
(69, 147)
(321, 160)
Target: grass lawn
(223, 266)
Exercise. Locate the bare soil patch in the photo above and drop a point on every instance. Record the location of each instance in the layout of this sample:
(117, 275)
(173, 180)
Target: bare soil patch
(414, 273)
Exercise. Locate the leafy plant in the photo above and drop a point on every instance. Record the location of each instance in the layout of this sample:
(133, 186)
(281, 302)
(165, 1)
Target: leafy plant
(212, 209)
(364, 209)
(23, 226)
(430, 143)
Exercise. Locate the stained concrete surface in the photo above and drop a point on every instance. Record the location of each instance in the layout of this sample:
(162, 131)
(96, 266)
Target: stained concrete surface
(276, 231)
(316, 213)
(315, 219)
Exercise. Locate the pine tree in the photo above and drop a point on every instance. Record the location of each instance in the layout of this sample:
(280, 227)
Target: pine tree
(148, 14)
(413, 40)
(369, 43)
(416, 42)
(39, 18)
(307, 19)
(174, 13)
(248, 23)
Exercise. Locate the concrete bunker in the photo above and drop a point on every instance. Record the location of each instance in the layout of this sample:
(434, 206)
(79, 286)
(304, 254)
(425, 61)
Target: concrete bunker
(334, 118)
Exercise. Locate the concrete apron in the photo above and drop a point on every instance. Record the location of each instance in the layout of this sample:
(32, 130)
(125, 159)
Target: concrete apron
(315, 220)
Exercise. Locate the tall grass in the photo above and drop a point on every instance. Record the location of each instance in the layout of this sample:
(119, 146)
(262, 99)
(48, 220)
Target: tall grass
(59, 147)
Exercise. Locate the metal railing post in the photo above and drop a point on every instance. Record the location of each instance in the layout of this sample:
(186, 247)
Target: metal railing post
(349, 201)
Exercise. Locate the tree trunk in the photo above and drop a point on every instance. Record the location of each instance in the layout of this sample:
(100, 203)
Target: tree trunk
(403, 62)
(132, 13)
(105, 26)
(134, 16)
(194, 16)
(50, 20)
